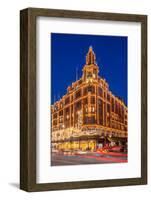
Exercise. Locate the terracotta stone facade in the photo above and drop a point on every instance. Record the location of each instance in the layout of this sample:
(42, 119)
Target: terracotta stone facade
(89, 113)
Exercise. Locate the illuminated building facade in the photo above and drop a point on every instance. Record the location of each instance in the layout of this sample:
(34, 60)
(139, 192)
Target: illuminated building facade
(88, 115)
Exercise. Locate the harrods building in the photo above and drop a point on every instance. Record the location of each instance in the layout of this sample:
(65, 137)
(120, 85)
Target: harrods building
(89, 115)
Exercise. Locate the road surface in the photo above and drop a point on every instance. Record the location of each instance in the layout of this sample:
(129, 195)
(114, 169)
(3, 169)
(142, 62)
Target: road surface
(58, 159)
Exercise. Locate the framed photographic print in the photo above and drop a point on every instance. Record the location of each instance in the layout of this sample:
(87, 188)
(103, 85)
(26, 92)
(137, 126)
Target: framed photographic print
(83, 92)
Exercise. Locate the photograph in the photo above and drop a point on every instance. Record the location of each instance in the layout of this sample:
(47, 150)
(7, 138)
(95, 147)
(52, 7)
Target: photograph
(83, 99)
(89, 99)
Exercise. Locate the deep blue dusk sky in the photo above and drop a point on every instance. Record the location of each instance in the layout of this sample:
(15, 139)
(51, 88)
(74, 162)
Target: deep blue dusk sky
(68, 52)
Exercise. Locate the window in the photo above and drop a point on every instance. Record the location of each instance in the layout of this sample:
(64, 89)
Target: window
(89, 74)
(85, 101)
(78, 94)
(92, 100)
(108, 108)
(55, 115)
(67, 110)
(91, 89)
(92, 109)
(78, 105)
(100, 91)
(112, 105)
(55, 122)
(86, 109)
(94, 73)
(61, 119)
(61, 113)
(116, 107)
(108, 97)
(89, 120)
(67, 100)
(85, 91)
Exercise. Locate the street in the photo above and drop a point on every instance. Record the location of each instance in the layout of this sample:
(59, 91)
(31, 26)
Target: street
(58, 159)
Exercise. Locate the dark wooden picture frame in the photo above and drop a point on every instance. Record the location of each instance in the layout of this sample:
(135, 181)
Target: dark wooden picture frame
(28, 99)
